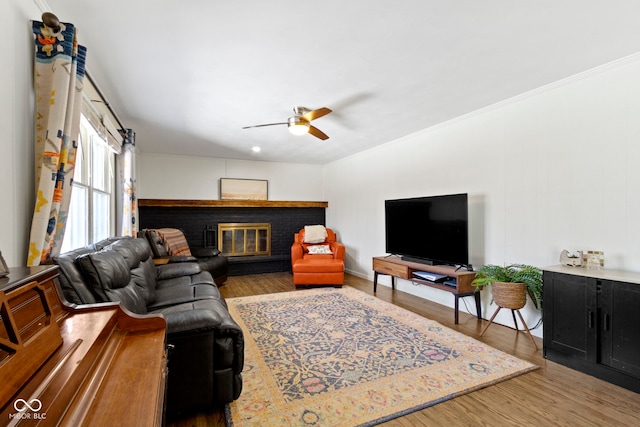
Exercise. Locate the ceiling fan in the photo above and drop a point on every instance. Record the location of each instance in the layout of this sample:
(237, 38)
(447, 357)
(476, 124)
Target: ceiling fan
(300, 123)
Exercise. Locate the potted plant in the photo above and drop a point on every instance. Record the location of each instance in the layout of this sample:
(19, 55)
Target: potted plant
(511, 284)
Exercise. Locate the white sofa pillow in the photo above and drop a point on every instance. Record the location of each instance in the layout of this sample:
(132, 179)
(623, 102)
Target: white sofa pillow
(319, 249)
(315, 234)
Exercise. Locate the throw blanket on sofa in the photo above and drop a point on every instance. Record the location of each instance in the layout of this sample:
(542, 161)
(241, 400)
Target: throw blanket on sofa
(174, 241)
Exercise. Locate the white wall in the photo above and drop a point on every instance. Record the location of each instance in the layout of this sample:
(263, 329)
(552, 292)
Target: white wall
(16, 129)
(556, 169)
(162, 176)
(550, 170)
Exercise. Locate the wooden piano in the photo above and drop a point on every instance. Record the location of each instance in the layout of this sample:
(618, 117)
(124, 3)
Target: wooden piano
(67, 366)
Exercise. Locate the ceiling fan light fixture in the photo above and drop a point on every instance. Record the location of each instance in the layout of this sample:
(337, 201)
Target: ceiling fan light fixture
(300, 123)
(298, 126)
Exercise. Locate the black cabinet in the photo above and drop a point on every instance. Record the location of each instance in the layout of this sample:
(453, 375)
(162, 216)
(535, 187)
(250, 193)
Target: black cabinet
(569, 314)
(592, 323)
(620, 337)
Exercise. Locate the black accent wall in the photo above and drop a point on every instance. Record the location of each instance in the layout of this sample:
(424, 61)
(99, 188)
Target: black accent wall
(193, 221)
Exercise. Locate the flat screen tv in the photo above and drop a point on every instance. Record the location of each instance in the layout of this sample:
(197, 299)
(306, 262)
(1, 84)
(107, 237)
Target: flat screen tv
(433, 230)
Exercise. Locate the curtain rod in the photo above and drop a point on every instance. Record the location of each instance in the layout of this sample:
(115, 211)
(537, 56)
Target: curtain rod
(105, 101)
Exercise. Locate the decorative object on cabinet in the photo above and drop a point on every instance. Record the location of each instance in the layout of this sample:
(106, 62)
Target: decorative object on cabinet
(572, 259)
(593, 259)
(509, 288)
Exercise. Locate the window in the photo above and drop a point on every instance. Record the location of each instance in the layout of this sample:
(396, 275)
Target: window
(92, 209)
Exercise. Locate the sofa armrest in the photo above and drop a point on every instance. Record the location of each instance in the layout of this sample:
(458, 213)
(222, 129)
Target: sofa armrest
(338, 250)
(204, 252)
(206, 357)
(230, 346)
(181, 258)
(179, 269)
(296, 252)
(229, 338)
(192, 321)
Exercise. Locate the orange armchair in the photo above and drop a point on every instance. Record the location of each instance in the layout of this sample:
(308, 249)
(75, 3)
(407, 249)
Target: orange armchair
(317, 263)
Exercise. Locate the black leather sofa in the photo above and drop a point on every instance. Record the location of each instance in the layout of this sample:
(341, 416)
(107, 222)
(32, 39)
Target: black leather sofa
(206, 346)
(208, 259)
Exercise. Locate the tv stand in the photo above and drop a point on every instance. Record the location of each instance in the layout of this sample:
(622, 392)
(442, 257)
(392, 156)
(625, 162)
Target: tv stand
(394, 266)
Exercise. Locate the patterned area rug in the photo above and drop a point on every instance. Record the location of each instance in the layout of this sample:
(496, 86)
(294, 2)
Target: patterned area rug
(340, 357)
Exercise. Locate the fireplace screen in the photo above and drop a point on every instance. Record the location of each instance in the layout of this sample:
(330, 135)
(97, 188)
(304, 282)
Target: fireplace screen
(244, 239)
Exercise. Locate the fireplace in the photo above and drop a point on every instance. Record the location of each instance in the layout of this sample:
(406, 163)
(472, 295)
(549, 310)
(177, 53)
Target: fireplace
(244, 239)
(195, 216)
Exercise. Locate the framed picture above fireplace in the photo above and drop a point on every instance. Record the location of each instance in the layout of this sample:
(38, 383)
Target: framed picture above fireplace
(243, 189)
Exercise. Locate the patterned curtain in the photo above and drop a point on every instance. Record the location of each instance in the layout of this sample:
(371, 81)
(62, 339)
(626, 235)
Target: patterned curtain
(127, 166)
(59, 79)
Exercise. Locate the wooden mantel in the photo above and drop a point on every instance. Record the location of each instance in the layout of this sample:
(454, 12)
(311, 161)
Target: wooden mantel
(172, 203)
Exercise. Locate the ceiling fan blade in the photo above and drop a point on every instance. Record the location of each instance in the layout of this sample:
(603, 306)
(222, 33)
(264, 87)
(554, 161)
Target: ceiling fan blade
(266, 124)
(316, 114)
(317, 133)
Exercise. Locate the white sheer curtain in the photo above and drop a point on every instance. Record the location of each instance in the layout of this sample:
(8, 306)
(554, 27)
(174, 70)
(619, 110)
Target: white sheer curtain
(127, 183)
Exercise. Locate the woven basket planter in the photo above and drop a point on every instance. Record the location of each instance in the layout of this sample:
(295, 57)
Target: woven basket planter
(509, 295)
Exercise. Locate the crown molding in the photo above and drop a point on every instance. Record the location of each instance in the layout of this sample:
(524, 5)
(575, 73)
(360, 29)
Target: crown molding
(42, 5)
(545, 88)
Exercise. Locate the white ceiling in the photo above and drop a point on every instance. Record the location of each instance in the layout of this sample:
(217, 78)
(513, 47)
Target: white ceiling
(187, 75)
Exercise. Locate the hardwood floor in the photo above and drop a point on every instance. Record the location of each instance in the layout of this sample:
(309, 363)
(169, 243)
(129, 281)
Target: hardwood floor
(551, 396)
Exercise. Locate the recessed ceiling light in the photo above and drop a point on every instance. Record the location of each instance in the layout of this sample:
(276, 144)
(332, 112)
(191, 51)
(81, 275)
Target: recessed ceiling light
(255, 149)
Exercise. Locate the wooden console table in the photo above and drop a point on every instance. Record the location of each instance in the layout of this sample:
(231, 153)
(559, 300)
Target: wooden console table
(396, 267)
